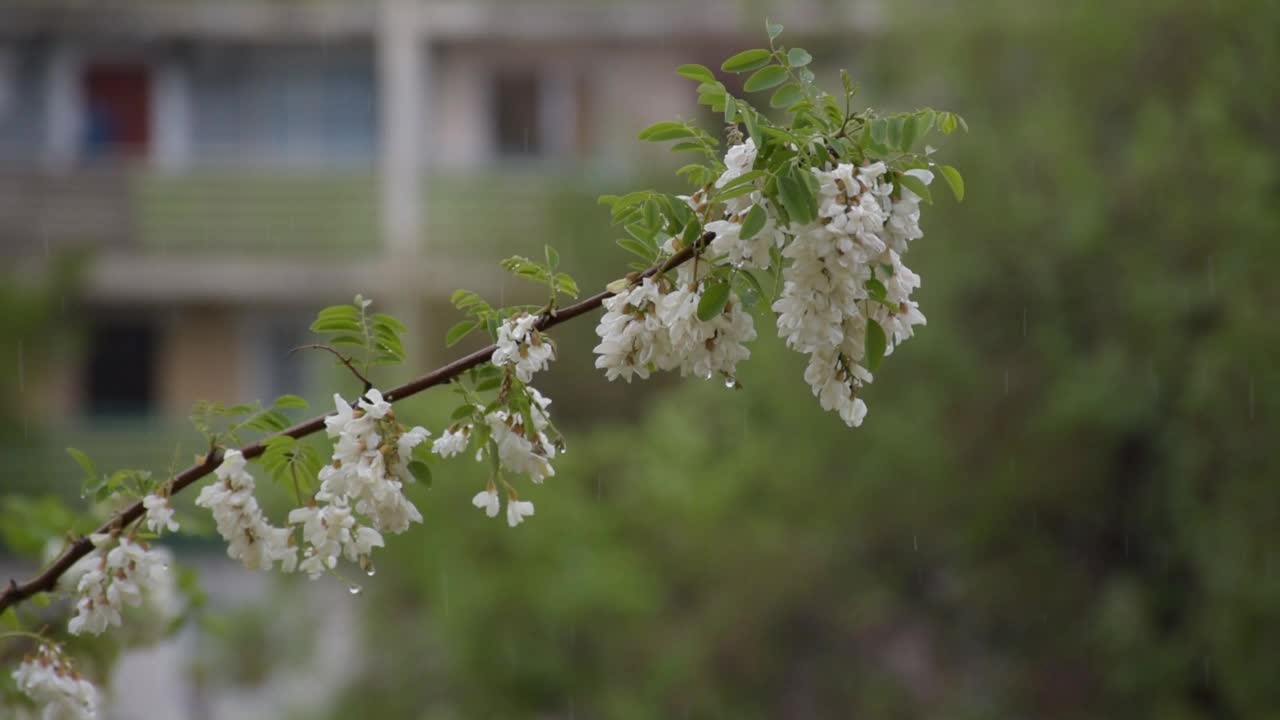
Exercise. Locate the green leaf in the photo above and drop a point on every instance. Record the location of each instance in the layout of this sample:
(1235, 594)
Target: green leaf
(730, 110)
(953, 178)
(691, 233)
(389, 322)
(90, 472)
(876, 289)
(875, 345)
(459, 331)
(335, 324)
(746, 61)
(667, 130)
(714, 297)
(752, 121)
(765, 78)
(797, 199)
(894, 134)
(798, 57)
(753, 222)
(787, 95)
(909, 130)
(700, 73)
(916, 185)
(566, 285)
(462, 411)
(421, 472)
(774, 29)
(636, 247)
(290, 401)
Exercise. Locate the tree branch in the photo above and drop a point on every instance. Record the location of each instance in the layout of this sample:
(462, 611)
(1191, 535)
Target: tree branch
(15, 593)
(345, 361)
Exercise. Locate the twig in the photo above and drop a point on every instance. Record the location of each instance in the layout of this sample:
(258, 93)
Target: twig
(345, 361)
(48, 578)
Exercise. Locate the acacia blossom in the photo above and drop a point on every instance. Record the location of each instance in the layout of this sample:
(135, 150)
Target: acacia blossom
(453, 441)
(250, 537)
(522, 346)
(126, 575)
(159, 515)
(49, 679)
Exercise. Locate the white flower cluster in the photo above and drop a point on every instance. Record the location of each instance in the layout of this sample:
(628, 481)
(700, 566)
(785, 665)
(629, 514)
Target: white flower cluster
(522, 346)
(845, 270)
(251, 539)
(653, 325)
(453, 441)
(159, 514)
(108, 582)
(827, 297)
(366, 477)
(520, 443)
(49, 679)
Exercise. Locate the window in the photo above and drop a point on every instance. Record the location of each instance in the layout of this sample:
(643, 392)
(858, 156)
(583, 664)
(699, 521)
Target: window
(117, 105)
(517, 126)
(121, 370)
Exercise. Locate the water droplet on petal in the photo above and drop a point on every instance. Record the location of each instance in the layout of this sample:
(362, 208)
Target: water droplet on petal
(354, 589)
(371, 570)
(730, 382)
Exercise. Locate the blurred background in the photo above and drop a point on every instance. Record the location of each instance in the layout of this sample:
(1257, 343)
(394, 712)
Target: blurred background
(1064, 503)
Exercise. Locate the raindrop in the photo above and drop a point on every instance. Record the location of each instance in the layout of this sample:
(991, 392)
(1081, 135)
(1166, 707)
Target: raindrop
(21, 373)
(1251, 400)
(707, 376)
(915, 543)
(730, 382)
(354, 589)
(371, 570)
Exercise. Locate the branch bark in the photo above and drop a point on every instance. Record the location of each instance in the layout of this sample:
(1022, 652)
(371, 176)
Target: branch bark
(16, 592)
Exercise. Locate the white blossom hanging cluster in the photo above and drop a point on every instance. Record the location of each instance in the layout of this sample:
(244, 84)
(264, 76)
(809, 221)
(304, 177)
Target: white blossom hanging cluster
(844, 269)
(521, 346)
(250, 537)
(107, 582)
(49, 679)
(366, 479)
(518, 435)
(159, 515)
(654, 325)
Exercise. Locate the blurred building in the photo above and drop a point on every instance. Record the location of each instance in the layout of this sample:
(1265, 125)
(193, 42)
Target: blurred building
(231, 166)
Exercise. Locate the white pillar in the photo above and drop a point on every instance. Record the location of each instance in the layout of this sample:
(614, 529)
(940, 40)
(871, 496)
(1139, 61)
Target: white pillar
(171, 115)
(402, 60)
(401, 93)
(63, 107)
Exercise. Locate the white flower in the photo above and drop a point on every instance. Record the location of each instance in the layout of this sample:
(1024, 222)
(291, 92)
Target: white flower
(125, 575)
(522, 346)
(704, 348)
(251, 539)
(159, 514)
(738, 161)
(51, 682)
(487, 500)
(633, 340)
(452, 441)
(517, 511)
(330, 531)
(370, 464)
(835, 387)
(516, 451)
(373, 404)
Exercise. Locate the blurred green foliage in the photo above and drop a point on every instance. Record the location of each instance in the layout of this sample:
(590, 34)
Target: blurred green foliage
(1064, 503)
